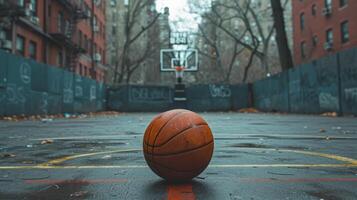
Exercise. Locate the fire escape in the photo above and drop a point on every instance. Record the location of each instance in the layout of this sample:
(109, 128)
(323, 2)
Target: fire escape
(67, 30)
(9, 12)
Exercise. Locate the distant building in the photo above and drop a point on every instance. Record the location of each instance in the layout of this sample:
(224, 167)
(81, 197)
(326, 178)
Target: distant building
(323, 27)
(56, 32)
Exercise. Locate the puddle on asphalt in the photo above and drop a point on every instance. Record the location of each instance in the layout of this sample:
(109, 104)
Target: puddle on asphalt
(262, 146)
(69, 189)
(132, 133)
(249, 145)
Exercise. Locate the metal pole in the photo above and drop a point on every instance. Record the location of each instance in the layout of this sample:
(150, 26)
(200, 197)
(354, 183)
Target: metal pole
(92, 43)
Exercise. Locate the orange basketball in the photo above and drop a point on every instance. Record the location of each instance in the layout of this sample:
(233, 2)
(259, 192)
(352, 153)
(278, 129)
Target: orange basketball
(178, 145)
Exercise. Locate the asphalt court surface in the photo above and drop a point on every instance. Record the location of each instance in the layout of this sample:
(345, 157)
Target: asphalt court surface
(257, 156)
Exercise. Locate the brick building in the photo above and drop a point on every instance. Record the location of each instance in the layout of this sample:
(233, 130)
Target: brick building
(323, 27)
(63, 33)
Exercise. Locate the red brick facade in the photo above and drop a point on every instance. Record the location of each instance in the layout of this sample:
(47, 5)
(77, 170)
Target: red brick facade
(61, 33)
(315, 21)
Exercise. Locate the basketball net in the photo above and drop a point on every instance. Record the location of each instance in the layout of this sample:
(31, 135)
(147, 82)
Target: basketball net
(179, 71)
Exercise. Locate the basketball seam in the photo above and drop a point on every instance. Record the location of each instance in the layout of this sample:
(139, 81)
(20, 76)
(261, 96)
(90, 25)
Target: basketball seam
(158, 133)
(177, 134)
(152, 125)
(184, 171)
(181, 152)
(147, 146)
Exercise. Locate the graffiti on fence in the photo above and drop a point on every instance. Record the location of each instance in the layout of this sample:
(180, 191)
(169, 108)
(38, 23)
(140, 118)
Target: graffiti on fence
(68, 89)
(78, 91)
(328, 101)
(220, 91)
(93, 93)
(44, 103)
(149, 94)
(351, 95)
(15, 94)
(25, 73)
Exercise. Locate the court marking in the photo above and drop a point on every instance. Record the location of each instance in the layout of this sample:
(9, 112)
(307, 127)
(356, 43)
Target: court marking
(180, 192)
(79, 182)
(66, 158)
(330, 137)
(310, 153)
(210, 166)
(54, 164)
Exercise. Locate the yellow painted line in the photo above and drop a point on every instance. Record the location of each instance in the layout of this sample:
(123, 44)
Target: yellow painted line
(210, 166)
(310, 153)
(323, 155)
(285, 166)
(66, 158)
(331, 137)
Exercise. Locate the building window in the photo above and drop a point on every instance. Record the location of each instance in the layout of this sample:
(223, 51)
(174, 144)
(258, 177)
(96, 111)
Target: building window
(345, 36)
(314, 10)
(21, 3)
(302, 21)
(315, 41)
(80, 38)
(80, 70)
(33, 4)
(114, 30)
(60, 59)
(343, 3)
(302, 50)
(329, 36)
(60, 22)
(85, 42)
(20, 45)
(33, 50)
(328, 3)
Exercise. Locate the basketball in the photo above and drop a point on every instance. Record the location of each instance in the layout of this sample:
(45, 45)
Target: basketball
(178, 145)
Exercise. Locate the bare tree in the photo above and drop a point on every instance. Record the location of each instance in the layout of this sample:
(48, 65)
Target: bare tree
(286, 60)
(136, 47)
(240, 24)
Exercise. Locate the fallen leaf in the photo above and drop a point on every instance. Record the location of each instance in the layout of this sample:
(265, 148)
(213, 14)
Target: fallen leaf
(8, 155)
(248, 110)
(47, 141)
(79, 194)
(329, 114)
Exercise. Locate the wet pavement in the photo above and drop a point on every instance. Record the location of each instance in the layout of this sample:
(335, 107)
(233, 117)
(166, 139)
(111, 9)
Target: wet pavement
(256, 156)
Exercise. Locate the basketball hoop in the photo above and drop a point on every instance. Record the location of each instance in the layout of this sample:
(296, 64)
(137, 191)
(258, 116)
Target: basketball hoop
(179, 73)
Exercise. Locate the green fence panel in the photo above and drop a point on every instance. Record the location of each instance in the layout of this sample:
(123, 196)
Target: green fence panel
(3, 80)
(54, 103)
(3, 68)
(2, 101)
(327, 78)
(101, 97)
(348, 68)
(55, 80)
(93, 95)
(38, 76)
(39, 103)
(79, 94)
(18, 86)
(68, 92)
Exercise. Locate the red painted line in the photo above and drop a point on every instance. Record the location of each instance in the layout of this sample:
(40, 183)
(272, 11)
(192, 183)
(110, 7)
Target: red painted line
(180, 192)
(79, 182)
(300, 180)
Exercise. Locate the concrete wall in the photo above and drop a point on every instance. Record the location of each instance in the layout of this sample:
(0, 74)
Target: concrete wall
(31, 88)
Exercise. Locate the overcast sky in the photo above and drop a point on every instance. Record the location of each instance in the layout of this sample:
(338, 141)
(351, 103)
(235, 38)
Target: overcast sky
(180, 18)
